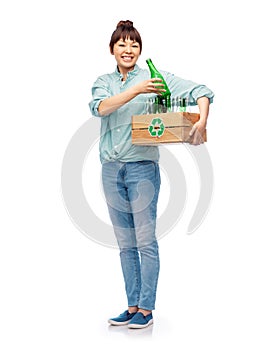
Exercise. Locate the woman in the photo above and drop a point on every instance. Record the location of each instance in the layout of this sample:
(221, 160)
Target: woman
(130, 173)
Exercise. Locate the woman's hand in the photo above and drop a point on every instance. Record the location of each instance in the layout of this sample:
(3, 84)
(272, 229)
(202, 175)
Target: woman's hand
(150, 86)
(197, 132)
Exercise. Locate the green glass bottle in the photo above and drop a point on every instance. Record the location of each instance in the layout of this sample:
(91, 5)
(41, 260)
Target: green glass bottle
(166, 96)
(182, 104)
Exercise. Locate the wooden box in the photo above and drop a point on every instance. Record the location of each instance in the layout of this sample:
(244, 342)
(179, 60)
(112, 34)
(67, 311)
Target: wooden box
(154, 129)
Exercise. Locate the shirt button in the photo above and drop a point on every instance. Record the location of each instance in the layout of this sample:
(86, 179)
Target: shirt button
(118, 130)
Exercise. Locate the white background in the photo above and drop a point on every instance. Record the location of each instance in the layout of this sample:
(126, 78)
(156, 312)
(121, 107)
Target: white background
(58, 288)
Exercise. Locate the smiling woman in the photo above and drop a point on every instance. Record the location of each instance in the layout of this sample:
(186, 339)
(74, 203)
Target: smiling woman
(130, 173)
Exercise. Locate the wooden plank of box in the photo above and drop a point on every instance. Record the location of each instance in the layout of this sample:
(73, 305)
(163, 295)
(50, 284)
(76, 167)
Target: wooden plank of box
(154, 129)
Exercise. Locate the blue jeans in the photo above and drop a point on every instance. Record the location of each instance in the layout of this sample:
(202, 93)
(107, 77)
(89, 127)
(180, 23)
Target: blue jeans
(131, 191)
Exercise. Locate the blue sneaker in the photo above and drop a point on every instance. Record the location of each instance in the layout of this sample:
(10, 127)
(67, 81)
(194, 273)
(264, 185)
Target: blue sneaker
(140, 321)
(122, 319)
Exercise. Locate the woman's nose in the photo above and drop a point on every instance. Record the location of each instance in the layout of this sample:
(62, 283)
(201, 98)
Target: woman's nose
(128, 48)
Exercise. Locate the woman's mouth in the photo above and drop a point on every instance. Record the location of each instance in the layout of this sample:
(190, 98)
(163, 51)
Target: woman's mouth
(127, 58)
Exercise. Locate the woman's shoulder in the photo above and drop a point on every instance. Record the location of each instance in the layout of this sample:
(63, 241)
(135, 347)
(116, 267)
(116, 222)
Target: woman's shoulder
(104, 79)
(106, 76)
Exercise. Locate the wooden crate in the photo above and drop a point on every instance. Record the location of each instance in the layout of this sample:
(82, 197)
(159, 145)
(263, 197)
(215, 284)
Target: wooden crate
(154, 129)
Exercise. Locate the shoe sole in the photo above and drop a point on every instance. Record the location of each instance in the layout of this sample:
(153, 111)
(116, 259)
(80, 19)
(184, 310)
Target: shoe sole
(138, 326)
(116, 323)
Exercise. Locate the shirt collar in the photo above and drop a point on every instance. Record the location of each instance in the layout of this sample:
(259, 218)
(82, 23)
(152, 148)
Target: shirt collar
(129, 74)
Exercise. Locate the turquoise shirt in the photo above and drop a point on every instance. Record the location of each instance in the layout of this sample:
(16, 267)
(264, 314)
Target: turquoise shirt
(115, 135)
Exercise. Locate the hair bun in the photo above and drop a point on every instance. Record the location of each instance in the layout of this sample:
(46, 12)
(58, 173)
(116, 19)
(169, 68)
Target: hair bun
(125, 24)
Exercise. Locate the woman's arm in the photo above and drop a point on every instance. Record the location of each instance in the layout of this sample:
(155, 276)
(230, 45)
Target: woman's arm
(203, 103)
(112, 103)
(198, 128)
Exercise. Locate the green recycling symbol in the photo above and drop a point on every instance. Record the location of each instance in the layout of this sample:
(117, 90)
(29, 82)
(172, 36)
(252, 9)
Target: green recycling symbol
(156, 128)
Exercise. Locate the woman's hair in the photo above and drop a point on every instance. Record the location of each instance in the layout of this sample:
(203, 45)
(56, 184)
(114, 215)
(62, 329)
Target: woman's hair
(125, 30)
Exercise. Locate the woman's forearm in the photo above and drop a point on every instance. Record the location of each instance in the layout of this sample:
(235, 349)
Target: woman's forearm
(112, 103)
(203, 103)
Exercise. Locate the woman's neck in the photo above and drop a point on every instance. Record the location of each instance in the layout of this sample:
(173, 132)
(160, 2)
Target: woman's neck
(124, 72)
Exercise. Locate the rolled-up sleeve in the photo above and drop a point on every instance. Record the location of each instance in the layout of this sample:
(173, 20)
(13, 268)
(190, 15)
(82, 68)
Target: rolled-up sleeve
(188, 89)
(200, 91)
(100, 91)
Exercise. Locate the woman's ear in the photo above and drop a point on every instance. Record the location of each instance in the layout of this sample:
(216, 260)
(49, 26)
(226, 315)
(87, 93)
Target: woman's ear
(111, 50)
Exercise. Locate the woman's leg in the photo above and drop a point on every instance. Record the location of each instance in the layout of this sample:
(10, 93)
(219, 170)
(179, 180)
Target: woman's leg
(143, 184)
(116, 194)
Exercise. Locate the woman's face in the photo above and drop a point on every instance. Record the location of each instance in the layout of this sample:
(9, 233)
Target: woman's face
(126, 54)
